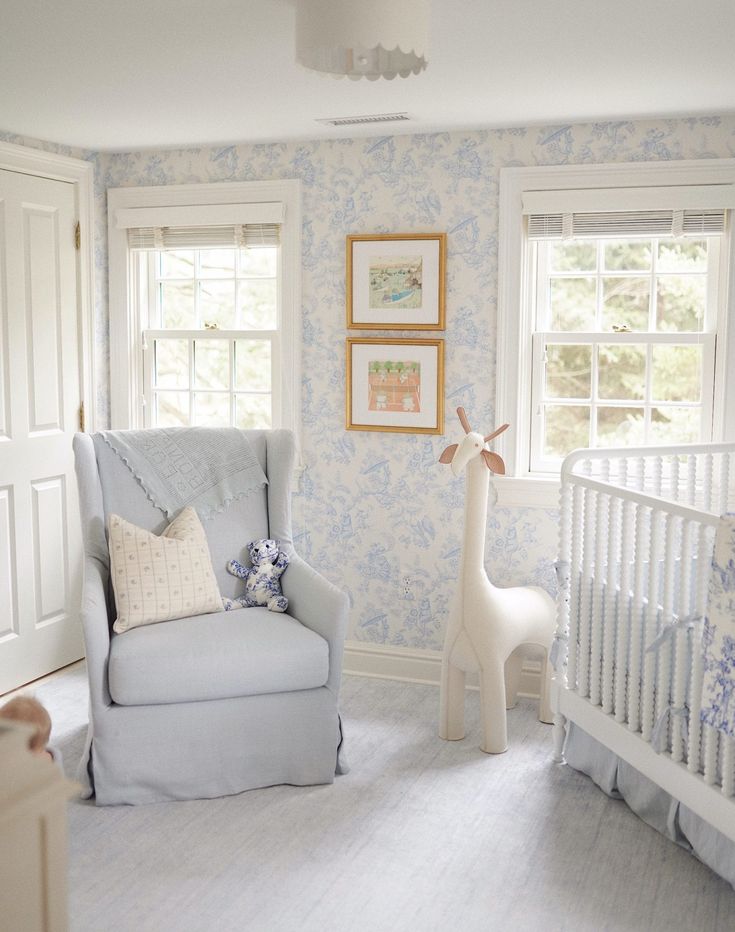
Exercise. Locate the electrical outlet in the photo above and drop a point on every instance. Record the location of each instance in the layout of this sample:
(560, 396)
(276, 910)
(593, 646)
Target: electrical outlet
(406, 586)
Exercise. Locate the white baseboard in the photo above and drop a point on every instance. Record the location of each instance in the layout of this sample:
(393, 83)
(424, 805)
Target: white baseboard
(412, 665)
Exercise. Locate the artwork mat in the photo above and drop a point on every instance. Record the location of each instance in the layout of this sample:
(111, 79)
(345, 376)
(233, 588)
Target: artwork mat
(360, 352)
(362, 248)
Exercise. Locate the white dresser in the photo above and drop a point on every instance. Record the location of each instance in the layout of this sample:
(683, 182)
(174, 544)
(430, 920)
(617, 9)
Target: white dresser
(33, 854)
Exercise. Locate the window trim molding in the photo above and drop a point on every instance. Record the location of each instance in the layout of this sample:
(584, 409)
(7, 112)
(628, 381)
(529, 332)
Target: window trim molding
(126, 356)
(513, 395)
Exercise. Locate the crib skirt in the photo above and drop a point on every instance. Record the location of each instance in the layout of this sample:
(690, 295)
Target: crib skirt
(652, 804)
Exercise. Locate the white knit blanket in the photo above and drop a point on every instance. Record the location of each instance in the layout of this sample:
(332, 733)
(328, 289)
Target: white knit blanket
(204, 467)
(718, 639)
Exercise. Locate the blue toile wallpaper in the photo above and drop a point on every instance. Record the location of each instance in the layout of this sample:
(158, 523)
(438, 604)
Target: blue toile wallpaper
(374, 508)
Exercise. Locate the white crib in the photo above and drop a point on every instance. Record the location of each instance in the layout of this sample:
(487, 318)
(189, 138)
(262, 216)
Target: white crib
(636, 537)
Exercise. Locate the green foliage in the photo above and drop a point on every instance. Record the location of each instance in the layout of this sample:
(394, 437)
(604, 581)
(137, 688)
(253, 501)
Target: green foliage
(627, 255)
(680, 302)
(575, 256)
(568, 370)
(567, 429)
(622, 371)
(572, 302)
(625, 270)
(677, 373)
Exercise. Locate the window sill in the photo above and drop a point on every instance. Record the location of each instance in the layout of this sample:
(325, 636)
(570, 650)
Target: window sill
(527, 492)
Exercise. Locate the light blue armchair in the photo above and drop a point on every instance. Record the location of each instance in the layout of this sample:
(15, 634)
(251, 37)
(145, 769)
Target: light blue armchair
(220, 703)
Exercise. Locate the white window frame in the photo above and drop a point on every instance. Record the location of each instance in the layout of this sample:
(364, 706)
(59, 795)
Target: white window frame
(541, 337)
(127, 355)
(516, 309)
(151, 334)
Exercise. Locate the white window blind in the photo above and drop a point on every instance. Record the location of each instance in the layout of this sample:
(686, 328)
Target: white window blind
(202, 226)
(594, 213)
(625, 224)
(237, 235)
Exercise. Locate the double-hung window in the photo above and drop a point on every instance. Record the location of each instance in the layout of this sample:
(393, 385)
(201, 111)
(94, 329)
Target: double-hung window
(211, 341)
(614, 310)
(210, 311)
(623, 341)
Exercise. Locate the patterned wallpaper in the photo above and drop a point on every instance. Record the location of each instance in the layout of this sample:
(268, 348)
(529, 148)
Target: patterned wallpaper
(376, 507)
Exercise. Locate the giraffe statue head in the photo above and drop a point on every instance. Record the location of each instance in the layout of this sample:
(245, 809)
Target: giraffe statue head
(458, 455)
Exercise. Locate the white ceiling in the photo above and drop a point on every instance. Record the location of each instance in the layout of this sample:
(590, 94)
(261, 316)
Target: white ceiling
(131, 74)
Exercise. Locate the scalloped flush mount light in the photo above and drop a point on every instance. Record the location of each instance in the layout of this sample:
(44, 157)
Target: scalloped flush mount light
(362, 38)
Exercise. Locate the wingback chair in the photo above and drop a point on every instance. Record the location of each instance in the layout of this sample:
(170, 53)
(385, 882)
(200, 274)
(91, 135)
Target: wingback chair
(220, 703)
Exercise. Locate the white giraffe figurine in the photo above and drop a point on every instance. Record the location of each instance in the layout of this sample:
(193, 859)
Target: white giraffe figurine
(488, 626)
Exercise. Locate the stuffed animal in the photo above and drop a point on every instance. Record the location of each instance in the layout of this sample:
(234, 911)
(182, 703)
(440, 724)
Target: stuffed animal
(262, 586)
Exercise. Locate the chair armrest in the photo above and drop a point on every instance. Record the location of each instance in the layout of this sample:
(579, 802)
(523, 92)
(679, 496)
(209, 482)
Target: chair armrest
(96, 628)
(321, 606)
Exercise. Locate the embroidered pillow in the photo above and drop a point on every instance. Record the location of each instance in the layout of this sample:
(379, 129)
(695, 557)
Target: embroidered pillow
(161, 578)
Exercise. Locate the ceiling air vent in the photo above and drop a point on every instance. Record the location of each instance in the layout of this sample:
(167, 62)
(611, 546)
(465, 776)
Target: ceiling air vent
(364, 120)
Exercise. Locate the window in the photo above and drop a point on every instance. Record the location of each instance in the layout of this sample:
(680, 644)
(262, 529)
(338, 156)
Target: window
(623, 343)
(210, 336)
(613, 312)
(204, 293)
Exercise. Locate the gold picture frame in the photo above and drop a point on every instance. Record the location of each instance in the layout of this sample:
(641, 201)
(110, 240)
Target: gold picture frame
(396, 281)
(395, 384)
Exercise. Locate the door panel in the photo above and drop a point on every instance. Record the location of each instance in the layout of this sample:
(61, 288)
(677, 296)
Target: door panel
(40, 540)
(4, 323)
(50, 556)
(8, 608)
(43, 306)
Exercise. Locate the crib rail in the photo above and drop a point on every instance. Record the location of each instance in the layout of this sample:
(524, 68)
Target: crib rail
(636, 537)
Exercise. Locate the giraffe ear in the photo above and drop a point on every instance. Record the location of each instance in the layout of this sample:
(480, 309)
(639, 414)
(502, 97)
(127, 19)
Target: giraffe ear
(494, 462)
(448, 455)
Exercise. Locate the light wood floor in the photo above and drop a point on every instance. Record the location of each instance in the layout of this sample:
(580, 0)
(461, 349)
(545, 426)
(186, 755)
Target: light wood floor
(421, 835)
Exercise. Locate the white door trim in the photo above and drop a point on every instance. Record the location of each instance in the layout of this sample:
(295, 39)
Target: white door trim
(81, 174)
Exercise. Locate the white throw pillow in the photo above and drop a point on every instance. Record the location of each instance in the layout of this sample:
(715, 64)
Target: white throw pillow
(161, 578)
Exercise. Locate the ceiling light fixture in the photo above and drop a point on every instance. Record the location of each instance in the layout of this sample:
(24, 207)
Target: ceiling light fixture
(362, 38)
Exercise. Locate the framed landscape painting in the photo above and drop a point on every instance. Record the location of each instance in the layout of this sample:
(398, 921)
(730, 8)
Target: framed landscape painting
(395, 385)
(396, 281)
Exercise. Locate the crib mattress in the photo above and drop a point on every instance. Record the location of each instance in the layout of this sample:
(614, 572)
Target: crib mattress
(652, 804)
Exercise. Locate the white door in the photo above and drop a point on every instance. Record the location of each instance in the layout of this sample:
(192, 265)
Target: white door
(40, 393)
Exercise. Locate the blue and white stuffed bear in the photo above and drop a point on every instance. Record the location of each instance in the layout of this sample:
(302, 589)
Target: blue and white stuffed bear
(262, 585)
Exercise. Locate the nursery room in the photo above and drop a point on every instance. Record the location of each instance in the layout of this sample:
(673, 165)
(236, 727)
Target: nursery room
(367, 466)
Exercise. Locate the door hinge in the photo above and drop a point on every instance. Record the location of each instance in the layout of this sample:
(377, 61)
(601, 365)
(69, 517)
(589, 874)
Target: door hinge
(81, 417)
(77, 236)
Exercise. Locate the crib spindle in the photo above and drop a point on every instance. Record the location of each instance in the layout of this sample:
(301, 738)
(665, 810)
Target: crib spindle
(674, 479)
(695, 757)
(612, 601)
(728, 767)
(664, 659)
(564, 575)
(724, 483)
(623, 613)
(599, 576)
(642, 544)
(575, 590)
(711, 746)
(658, 474)
(682, 639)
(691, 480)
(650, 627)
(707, 490)
(585, 601)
